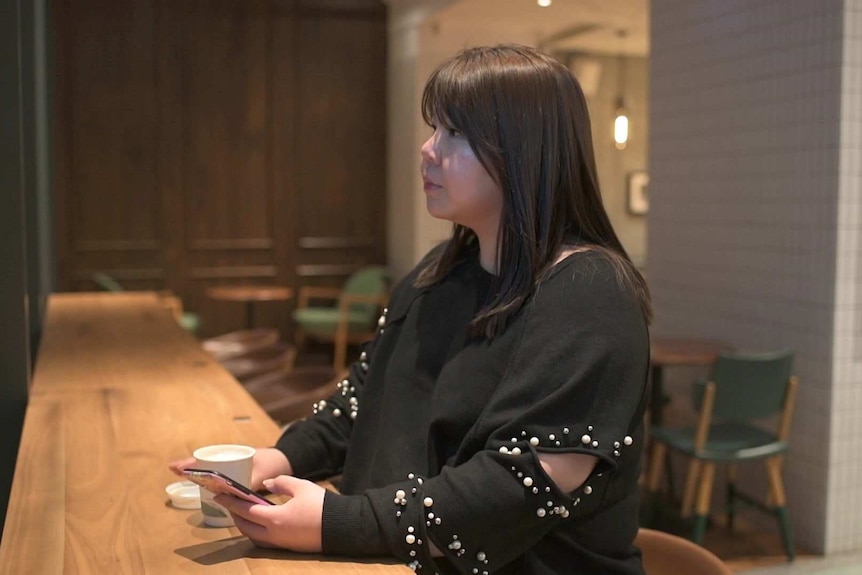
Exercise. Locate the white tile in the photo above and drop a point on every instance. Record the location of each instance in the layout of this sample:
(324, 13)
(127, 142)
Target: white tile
(755, 235)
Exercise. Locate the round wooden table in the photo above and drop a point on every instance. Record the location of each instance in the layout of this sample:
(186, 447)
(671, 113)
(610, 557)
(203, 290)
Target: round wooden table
(250, 294)
(676, 351)
(670, 351)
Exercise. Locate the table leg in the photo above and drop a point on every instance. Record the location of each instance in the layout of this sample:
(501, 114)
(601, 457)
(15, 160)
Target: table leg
(656, 395)
(657, 401)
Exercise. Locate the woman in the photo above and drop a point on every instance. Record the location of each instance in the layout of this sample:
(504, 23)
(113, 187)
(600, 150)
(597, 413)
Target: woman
(494, 425)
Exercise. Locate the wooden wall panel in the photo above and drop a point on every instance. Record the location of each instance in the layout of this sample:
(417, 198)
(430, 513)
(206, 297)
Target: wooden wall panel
(215, 142)
(338, 192)
(225, 111)
(111, 134)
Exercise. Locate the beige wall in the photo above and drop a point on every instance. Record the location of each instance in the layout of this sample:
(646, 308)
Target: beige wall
(615, 166)
(411, 231)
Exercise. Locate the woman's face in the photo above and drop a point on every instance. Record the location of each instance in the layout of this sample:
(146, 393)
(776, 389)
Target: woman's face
(457, 186)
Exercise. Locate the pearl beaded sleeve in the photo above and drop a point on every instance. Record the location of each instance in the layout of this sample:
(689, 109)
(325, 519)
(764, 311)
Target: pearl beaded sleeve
(565, 390)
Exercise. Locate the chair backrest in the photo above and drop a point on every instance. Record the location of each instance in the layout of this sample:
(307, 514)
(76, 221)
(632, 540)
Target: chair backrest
(667, 554)
(367, 281)
(749, 386)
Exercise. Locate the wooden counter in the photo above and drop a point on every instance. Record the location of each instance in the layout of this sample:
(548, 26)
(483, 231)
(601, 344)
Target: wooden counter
(119, 390)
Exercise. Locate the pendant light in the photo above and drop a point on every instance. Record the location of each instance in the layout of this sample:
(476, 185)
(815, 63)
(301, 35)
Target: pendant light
(621, 119)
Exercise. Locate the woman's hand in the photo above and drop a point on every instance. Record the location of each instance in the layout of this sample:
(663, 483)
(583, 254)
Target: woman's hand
(295, 525)
(268, 462)
(180, 464)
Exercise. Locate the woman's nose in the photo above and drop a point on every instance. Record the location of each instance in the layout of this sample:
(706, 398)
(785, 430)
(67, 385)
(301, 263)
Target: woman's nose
(429, 150)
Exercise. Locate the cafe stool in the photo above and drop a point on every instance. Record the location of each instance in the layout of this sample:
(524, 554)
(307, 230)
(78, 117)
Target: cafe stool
(240, 342)
(290, 395)
(272, 358)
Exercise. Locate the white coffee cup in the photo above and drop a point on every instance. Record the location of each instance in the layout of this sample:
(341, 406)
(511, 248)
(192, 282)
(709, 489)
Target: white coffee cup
(235, 461)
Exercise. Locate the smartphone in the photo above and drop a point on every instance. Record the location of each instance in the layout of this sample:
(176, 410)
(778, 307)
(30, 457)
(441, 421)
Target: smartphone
(221, 483)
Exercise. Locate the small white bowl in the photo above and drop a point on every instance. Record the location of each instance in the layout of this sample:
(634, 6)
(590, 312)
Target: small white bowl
(184, 495)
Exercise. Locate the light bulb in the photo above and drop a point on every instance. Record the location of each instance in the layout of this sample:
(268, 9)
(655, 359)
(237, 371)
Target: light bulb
(543, 3)
(621, 129)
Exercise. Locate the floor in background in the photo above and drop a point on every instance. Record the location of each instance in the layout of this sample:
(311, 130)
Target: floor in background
(752, 550)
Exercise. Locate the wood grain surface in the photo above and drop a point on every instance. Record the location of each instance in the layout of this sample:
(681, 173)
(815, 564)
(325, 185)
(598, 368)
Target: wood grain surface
(118, 391)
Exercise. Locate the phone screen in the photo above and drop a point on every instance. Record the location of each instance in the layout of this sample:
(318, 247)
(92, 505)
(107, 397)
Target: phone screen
(220, 483)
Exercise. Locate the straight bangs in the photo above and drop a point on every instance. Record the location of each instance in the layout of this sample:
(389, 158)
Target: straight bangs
(444, 98)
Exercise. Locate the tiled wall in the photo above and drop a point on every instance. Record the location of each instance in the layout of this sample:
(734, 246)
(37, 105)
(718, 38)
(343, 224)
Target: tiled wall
(844, 527)
(750, 163)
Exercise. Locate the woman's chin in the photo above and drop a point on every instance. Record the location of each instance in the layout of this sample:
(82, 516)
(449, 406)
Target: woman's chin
(434, 209)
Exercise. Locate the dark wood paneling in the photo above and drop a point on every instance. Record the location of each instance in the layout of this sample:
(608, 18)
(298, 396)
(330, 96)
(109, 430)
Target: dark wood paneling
(211, 142)
(112, 121)
(339, 190)
(226, 113)
(108, 168)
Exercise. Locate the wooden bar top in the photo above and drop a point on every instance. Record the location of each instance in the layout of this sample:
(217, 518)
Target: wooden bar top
(118, 391)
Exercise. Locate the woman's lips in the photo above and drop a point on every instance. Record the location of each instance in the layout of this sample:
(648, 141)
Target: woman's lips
(429, 186)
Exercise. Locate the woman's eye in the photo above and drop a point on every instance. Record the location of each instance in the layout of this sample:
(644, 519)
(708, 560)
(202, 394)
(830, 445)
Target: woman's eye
(453, 132)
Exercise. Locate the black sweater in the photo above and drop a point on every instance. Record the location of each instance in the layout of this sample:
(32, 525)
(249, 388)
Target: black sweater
(436, 432)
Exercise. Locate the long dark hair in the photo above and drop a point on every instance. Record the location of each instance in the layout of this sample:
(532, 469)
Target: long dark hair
(526, 118)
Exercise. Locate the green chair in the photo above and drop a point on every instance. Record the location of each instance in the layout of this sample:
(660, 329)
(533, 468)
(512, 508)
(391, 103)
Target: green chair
(350, 319)
(743, 390)
(189, 321)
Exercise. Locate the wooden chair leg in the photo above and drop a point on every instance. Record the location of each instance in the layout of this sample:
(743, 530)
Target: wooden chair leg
(691, 482)
(340, 352)
(731, 494)
(776, 488)
(770, 495)
(704, 494)
(668, 473)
